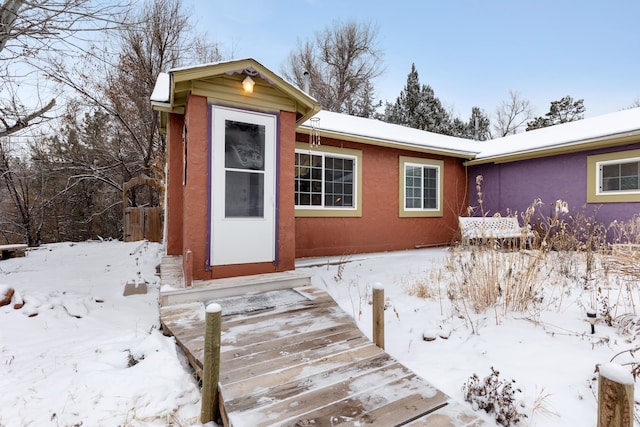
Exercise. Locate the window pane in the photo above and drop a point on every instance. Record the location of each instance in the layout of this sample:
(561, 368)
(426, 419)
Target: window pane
(308, 180)
(629, 169)
(620, 176)
(430, 186)
(413, 187)
(244, 145)
(326, 180)
(610, 184)
(338, 175)
(629, 183)
(244, 194)
(609, 171)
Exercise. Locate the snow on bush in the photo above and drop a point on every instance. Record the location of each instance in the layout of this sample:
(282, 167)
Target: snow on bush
(496, 396)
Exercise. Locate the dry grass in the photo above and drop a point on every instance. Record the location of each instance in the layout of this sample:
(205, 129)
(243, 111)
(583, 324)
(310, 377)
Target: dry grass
(512, 277)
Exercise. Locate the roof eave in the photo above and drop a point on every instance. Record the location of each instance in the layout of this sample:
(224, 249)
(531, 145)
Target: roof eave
(463, 154)
(603, 141)
(308, 106)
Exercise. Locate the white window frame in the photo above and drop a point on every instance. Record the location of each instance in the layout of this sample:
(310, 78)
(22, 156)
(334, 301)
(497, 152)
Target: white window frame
(322, 210)
(599, 182)
(594, 177)
(421, 163)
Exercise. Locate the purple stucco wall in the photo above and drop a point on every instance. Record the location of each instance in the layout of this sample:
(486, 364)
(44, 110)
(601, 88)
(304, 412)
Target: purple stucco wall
(514, 186)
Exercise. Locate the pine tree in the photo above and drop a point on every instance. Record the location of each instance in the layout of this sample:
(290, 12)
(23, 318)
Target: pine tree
(477, 128)
(563, 111)
(418, 107)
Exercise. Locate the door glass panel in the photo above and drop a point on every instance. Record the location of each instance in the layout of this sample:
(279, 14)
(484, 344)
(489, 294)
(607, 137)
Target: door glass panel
(244, 145)
(244, 194)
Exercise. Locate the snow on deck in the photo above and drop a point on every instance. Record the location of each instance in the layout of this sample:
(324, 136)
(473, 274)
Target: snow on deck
(294, 361)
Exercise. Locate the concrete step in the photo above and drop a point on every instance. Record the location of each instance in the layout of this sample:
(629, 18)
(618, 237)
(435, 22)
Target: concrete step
(204, 290)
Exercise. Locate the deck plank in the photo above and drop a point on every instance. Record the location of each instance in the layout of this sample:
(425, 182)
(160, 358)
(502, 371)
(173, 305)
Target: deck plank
(305, 362)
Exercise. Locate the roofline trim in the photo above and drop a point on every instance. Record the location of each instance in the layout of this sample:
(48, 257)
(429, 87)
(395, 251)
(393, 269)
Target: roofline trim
(602, 141)
(389, 143)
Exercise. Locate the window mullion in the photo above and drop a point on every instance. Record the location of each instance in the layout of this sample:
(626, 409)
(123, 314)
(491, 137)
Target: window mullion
(324, 182)
(422, 188)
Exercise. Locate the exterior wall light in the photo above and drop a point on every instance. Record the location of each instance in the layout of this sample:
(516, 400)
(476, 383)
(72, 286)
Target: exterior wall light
(247, 84)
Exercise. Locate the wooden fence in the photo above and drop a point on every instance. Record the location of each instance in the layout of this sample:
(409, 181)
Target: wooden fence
(142, 222)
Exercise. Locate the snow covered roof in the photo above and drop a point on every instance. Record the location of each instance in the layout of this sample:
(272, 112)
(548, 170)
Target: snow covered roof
(617, 128)
(606, 130)
(161, 89)
(172, 88)
(376, 132)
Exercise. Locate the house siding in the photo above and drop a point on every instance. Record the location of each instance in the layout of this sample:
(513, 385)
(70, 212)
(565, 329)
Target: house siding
(512, 187)
(175, 172)
(192, 222)
(380, 228)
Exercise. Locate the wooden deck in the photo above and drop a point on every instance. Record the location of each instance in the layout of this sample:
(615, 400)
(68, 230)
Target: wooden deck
(292, 357)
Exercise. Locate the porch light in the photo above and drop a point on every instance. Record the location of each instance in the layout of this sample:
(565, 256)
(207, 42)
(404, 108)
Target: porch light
(247, 84)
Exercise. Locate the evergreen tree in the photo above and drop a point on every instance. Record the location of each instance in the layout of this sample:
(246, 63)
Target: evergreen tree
(479, 125)
(563, 111)
(476, 128)
(418, 107)
(365, 104)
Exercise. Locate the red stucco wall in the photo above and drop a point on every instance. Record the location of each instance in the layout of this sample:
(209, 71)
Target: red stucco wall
(175, 162)
(194, 205)
(381, 228)
(286, 218)
(189, 227)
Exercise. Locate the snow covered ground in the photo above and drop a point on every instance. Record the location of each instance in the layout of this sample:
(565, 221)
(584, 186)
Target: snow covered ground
(548, 351)
(90, 356)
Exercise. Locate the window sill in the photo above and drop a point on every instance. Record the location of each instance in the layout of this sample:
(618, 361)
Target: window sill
(328, 213)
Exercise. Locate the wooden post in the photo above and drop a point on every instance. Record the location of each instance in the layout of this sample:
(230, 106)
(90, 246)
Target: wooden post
(187, 267)
(211, 363)
(378, 315)
(615, 396)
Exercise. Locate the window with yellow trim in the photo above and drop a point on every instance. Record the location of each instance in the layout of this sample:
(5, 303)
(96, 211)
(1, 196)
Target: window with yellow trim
(325, 180)
(614, 177)
(420, 187)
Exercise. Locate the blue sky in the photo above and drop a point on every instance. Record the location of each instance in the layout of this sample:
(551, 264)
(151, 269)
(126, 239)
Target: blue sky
(471, 52)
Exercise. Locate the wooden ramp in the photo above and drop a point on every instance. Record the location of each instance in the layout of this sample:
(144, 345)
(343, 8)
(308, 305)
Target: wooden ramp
(292, 357)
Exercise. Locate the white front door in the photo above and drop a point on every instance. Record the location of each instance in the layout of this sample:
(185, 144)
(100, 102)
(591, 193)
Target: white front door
(243, 211)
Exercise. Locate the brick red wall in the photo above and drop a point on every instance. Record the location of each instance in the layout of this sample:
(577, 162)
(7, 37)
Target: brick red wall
(175, 162)
(189, 227)
(381, 228)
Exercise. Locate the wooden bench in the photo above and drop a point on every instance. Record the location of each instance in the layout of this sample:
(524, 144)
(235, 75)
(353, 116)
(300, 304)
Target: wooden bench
(12, 251)
(492, 228)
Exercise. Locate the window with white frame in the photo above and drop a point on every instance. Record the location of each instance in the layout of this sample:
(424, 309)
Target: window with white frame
(619, 176)
(614, 177)
(325, 180)
(420, 187)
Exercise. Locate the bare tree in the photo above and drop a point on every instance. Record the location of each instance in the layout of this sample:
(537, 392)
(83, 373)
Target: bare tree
(342, 62)
(158, 38)
(31, 33)
(512, 115)
(25, 187)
